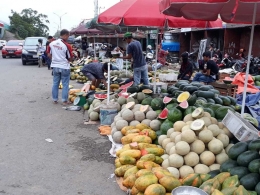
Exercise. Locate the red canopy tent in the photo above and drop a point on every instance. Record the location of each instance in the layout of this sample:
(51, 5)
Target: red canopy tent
(231, 11)
(81, 29)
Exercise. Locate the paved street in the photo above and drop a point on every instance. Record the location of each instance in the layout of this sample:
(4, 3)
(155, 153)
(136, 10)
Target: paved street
(77, 162)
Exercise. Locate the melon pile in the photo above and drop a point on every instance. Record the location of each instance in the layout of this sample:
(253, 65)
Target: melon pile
(198, 144)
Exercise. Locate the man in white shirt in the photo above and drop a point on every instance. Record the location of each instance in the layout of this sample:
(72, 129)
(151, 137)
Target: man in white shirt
(61, 53)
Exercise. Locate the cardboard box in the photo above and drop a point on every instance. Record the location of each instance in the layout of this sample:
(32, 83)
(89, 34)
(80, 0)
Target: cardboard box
(239, 127)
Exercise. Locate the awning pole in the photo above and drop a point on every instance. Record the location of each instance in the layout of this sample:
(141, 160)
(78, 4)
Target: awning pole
(248, 60)
(108, 83)
(156, 54)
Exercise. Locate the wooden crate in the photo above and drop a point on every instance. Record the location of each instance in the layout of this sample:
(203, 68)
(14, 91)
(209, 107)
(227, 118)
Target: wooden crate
(225, 89)
(222, 76)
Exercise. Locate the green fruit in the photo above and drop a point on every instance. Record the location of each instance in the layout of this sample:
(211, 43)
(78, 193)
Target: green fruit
(257, 188)
(251, 192)
(86, 106)
(221, 112)
(142, 87)
(214, 107)
(233, 100)
(157, 104)
(133, 89)
(239, 171)
(214, 91)
(228, 165)
(202, 99)
(218, 100)
(212, 114)
(237, 149)
(147, 101)
(246, 157)
(229, 191)
(190, 89)
(205, 87)
(165, 126)
(171, 106)
(250, 181)
(254, 166)
(174, 115)
(210, 100)
(226, 101)
(206, 94)
(254, 145)
(192, 100)
(189, 110)
(213, 173)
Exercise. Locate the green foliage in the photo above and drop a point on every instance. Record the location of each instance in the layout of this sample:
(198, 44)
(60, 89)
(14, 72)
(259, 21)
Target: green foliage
(29, 23)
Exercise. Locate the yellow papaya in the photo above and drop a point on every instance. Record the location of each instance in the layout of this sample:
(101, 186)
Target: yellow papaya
(129, 182)
(133, 153)
(140, 193)
(156, 151)
(150, 133)
(228, 191)
(134, 146)
(204, 177)
(143, 172)
(222, 176)
(149, 165)
(117, 163)
(132, 131)
(118, 152)
(131, 171)
(125, 129)
(119, 172)
(144, 181)
(208, 188)
(128, 138)
(240, 191)
(169, 183)
(127, 160)
(217, 192)
(127, 146)
(134, 191)
(140, 164)
(192, 180)
(158, 160)
(160, 173)
(142, 126)
(231, 182)
(155, 189)
(148, 157)
(142, 139)
(142, 146)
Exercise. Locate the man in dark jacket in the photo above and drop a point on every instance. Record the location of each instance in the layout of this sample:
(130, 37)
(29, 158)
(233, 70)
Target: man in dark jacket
(84, 47)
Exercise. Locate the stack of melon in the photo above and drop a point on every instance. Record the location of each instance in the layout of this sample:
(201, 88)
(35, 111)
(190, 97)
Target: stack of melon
(131, 116)
(195, 145)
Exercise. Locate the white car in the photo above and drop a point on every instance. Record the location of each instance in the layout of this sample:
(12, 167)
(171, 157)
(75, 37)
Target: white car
(97, 46)
(2, 43)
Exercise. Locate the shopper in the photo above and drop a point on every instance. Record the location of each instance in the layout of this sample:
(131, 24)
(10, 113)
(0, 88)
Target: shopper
(48, 60)
(119, 62)
(95, 72)
(186, 67)
(60, 52)
(90, 51)
(162, 55)
(134, 50)
(84, 46)
(210, 71)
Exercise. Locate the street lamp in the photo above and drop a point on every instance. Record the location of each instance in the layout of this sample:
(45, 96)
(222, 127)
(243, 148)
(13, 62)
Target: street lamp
(100, 8)
(57, 25)
(60, 18)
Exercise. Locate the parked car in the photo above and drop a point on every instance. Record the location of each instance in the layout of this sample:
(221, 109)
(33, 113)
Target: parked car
(29, 53)
(13, 48)
(97, 46)
(2, 43)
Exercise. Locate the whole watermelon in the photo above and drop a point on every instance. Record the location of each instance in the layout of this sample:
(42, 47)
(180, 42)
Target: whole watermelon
(165, 126)
(157, 104)
(174, 115)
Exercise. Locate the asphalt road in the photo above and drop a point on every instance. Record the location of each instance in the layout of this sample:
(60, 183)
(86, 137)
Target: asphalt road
(77, 162)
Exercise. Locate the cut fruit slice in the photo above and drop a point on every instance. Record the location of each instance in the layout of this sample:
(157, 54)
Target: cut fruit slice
(163, 114)
(134, 146)
(125, 86)
(197, 125)
(167, 100)
(130, 105)
(184, 96)
(100, 96)
(124, 93)
(144, 108)
(184, 104)
(147, 91)
(133, 95)
(197, 113)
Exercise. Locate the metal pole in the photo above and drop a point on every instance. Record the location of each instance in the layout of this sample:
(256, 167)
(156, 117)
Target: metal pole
(248, 60)
(108, 83)
(156, 54)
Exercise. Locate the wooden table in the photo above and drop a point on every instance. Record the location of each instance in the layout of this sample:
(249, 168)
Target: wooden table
(225, 89)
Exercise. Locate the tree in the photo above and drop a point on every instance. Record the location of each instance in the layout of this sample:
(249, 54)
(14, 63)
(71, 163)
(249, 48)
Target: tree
(29, 23)
(57, 34)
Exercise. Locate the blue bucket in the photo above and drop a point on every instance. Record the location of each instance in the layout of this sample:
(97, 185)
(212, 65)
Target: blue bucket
(107, 115)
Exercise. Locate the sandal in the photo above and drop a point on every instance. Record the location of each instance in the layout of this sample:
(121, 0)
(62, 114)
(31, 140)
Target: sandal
(55, 102)
(66, 103)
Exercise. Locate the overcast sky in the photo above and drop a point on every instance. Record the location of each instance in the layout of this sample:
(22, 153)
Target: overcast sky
(76, 10)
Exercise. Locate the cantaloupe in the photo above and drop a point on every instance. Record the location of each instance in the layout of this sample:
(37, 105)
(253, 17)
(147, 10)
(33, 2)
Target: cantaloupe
(174, 171)
(197, 146)
(186, 127)
(206, 136)
(224, 139)
(188, 136)
(206, 120)
(206, 114)
(120, 124)
(187, 118)
(169, 146)
(221, 158)
(134, 123)
(188, 123)
(165, 156)
(207, 158)
(139, 116)
(177, 139)
(117, 136)
(176, 160)
(227, 132)
(182, 148)
(185, 170)
(173, 135)
(165, 163)
(169, 132)
(221, 125)
(151, 115)
(214, 129)
(128, 115)
(178, 125)
(94, 116)
(161, 138)
(144, 108)
(214, 167)
(191, 159)
(213, 121)
(121, 100)
(172, 150)
(155, 125)
(165, 142)
(146, 121)
(201, 169)
(215, 146)
(130, 105)
(197, 125)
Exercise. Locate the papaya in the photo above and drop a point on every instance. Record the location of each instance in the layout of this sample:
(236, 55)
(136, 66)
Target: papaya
(144, 181)
(208, 188)
(133, 153)
(158, 160)
(127, 146)
(117, 163)
(141, 139)
(192, 180)
(169, 183)
(142, 146)
(128, 138)
(129, 182)
(228, 191)
(217, 192)
(140, 193)
(118, 152)
(150, 133)
(140, 164)
(251, 192)
(222, 176)
(132, 131)
(155, 189)
(127, 160)
(133, 146)
(156, 151)
(149, 165)
(126, 128)
(119, 172)
(143, 172)
(148, 157)
(204, 177)
(134, 191)
(160, 173)
(131, 171)
(142, 126)
(231, 182)
(214, 183)
(240, 191)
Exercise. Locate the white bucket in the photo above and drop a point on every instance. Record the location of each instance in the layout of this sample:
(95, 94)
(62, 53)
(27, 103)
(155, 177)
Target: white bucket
(107, 115)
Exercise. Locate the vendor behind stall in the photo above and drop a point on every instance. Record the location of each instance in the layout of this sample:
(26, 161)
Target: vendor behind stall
(95, 72)
(186, 67)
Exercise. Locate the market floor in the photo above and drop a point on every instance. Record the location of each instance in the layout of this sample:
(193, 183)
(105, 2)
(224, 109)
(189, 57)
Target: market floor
(77, 162)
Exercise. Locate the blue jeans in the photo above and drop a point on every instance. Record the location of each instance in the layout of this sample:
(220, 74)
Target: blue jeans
(203, 78)
(63, 75)
(141, 73)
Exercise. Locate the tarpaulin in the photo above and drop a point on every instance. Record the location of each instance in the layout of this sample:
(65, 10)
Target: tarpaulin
(239, 80)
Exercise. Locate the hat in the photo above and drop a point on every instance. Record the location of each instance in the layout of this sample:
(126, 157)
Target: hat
(127, 35)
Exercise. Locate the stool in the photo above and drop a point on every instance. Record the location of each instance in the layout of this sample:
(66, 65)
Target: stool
(225, 89)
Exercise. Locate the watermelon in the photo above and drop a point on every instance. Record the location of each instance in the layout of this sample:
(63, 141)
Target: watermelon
(157, 104)
(189, 110)
(167, 100)
(165, 126)
(171, 106)
(100, 96)
(125, 86)
(163, 114)
(174, 115)
(184, 104)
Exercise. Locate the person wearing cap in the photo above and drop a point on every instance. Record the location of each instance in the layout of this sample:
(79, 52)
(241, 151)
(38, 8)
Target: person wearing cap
(95, 72)
(186, 67)
(134, 50)
(210, 71)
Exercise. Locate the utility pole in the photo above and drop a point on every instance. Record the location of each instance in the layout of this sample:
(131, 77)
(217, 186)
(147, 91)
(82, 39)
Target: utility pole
(95, 8)
(100, 9)
(60, 17)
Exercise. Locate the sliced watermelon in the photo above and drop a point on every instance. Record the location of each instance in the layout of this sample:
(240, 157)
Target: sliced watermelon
(163, 114)
(167, 100)
(124, 93)
(125, 86)
(100, 96)
(184, 104)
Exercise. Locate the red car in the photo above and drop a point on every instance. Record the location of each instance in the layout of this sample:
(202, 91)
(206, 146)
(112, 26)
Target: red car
(13, 48)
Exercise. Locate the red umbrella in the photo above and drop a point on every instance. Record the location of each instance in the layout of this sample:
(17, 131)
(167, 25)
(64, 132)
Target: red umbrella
(146, 13)
(231, 11)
